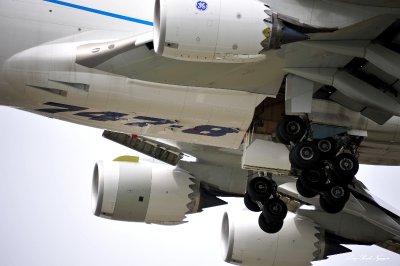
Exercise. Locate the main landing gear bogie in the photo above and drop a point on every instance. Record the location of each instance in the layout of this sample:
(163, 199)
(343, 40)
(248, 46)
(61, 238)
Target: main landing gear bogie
(262, 196)
(324, 167)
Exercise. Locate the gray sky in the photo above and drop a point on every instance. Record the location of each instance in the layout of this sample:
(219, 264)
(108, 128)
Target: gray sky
(45, 205)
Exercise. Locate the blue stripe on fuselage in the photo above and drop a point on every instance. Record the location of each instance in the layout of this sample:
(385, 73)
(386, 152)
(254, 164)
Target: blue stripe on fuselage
(101, 12)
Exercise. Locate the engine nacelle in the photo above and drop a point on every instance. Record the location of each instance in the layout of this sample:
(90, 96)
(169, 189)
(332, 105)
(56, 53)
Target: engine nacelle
(233, 31)
(138, 192)
(298, 243)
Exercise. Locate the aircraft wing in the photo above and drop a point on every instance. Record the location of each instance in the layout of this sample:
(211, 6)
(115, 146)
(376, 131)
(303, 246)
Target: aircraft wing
(376, 3)
(326, 59)
(143, 63)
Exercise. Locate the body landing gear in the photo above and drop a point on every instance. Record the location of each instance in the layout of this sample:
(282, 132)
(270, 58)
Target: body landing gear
(324, 167)
(262, 196)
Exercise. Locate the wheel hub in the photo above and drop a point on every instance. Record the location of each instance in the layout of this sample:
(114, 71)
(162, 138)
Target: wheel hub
(324, 146)
(314, 176)
(346, 164)
(261, 187)
(275, 208)
(293, 127)
(337, 192)
(306, 153)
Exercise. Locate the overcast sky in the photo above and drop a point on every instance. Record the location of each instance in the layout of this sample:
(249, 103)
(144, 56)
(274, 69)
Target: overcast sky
(45, 205)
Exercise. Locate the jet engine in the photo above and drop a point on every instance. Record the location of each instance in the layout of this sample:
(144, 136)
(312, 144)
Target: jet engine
(233, 31)
(298, 243)
(138, 192)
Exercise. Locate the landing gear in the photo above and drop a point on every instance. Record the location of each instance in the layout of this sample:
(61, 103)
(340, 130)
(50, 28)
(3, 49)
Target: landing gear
(304, 155)
(329, 207)
(262, 196)
(314, 179)
(345, 165)
(269, 227)
(250, 204)
(275, 210)
(323, 166)
(327, 147)
(259, 188)
(334, 198)
(290, 129)
(303, 191)
(335, 194)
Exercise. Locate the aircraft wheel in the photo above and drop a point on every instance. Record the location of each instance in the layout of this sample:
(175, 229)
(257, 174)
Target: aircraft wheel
(303, 191)
(345, 164)
(251, 205)
(341, 180)
(269, 227)
(336, 194)
(259, 188)
(313, 179)
(290, 128)
(327, 147)
(304, 155)
(275, 210)
(330, 207)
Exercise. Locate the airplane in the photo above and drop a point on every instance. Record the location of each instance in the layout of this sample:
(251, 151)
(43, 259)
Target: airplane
(277, 102)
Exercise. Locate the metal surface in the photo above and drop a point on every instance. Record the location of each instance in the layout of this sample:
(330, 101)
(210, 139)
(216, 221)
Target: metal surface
(152, 148)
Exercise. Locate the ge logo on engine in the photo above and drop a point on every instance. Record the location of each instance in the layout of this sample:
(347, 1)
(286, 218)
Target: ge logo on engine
(201, 5)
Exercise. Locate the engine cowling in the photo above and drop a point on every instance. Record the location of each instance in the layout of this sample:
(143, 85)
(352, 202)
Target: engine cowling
(298, 242)
(138, 192)
(234, 31)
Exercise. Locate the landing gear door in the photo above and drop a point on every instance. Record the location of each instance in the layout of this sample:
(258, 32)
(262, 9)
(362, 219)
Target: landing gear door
(264, 155)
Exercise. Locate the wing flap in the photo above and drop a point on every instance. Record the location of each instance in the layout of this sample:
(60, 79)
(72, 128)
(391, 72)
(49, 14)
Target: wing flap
(152, 148)
(366, 30)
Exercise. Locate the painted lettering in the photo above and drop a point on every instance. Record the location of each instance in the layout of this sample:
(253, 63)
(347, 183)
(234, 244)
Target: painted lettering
(211, 131)
(61, 108)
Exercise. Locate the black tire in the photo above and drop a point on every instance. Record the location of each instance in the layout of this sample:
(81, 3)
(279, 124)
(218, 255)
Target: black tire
(269, 227)
(336, 194)
(314, 179)
(341, 180)
(303, 191)
(275, 210)
(304, 155)
(290, 128)
(345, 164)
(329, 207)
(327, 147)
(251, 205)
(259, 189)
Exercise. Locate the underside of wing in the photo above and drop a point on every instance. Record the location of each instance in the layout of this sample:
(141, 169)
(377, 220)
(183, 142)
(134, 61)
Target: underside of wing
(375, 3)
(144, 64)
